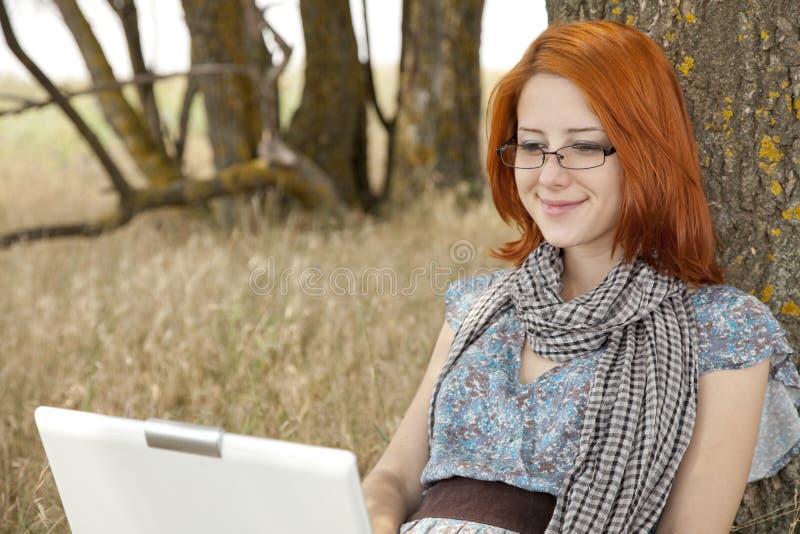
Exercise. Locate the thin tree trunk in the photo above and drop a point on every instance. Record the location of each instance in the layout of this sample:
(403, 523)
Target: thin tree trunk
(128, 124)
(330, 125)
(739, 65)
(436, 132)
(128, 15)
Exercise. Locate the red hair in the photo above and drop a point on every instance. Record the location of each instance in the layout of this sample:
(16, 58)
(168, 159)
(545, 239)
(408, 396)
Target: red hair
(632, 88)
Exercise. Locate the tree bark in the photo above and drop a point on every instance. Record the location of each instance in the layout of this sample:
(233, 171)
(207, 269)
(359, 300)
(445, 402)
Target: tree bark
(739, 65)
(330, 125)
(437, 128)
(128, 15)
(232, 108)
(128, 124)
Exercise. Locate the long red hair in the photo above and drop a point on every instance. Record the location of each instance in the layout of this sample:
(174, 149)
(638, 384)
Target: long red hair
(633, 89)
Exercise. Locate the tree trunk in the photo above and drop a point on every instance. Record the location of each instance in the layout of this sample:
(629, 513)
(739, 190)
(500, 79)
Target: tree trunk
(330, 125)
(739, 65)
(219, 35)
(129, 17)
(148, 153)
(436, 133)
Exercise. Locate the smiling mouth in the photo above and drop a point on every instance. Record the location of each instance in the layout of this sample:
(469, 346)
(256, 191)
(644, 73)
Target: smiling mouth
(559, 207)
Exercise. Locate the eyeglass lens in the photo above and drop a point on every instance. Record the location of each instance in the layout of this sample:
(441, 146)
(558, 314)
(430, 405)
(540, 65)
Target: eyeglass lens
(571, 157)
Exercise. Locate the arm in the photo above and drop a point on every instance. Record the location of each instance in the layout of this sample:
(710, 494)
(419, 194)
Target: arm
(392, 489)
(712, 476)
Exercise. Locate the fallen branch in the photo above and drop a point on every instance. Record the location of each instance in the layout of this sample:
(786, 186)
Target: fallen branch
(294, 173)
(88, 229)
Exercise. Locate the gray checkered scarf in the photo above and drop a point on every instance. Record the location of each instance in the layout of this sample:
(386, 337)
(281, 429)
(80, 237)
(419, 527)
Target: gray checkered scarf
(641, 408)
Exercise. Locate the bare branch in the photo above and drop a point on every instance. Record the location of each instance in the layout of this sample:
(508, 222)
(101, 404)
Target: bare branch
(17, 98)
(268, 86)
(387, 124)
(208, 69)
(284, 46)
(183, 122)
(114, 173)
(126, 11)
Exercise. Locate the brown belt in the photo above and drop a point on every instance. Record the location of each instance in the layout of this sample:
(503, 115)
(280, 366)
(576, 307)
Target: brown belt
(491, 503)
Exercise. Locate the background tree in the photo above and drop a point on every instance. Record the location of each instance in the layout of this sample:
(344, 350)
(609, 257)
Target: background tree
(330, 126)
(231, 100)
(436, 134)
(739, 66)
(433, 137)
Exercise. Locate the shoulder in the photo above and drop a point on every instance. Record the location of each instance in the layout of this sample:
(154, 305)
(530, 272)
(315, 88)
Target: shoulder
(462, 293)
(735, 329)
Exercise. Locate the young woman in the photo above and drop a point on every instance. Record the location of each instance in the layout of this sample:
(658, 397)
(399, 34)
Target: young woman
(609, 382)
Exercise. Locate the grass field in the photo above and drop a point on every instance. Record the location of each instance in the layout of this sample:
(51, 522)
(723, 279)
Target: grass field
(160, 318)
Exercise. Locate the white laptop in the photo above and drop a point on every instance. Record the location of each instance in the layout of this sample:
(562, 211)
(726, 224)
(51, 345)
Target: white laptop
(125, 476)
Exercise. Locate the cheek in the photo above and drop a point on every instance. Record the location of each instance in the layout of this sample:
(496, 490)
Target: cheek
(524, 180)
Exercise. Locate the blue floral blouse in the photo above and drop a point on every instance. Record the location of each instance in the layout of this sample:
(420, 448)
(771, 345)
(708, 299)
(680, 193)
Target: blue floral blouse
(489, 426)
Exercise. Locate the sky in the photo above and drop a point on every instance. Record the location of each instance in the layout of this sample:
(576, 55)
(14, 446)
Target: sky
(508, 27)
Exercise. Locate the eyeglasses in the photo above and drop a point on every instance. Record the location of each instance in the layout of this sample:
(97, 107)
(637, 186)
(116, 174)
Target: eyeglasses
(531, 155)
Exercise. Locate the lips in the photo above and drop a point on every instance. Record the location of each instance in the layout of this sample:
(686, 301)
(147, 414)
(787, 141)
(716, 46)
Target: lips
(557, 207)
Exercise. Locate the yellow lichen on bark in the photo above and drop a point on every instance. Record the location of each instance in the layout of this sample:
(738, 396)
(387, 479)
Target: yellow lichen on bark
(767, 292)
(769, 150)
(790, 308)
(687, 65)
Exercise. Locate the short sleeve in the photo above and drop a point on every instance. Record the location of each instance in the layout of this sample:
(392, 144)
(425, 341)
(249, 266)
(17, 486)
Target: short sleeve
(461, 294)
(737, 330)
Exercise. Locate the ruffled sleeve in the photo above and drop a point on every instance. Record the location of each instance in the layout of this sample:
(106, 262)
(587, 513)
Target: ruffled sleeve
(462, 294)
(737, 330)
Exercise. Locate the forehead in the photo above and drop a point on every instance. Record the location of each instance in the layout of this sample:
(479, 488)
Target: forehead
(552, 103)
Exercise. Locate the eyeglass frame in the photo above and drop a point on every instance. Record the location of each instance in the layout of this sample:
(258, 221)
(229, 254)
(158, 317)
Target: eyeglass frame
(607, 151)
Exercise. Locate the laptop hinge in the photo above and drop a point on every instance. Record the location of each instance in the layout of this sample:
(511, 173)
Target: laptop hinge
(184, 437)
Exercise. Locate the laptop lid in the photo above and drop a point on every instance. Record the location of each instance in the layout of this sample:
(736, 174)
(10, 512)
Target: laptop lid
(132, 477)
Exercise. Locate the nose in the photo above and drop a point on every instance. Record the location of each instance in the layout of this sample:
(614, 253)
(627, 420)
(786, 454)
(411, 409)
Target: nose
(551, 174)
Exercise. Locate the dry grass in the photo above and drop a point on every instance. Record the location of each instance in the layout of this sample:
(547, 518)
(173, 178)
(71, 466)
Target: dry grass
(159, 318)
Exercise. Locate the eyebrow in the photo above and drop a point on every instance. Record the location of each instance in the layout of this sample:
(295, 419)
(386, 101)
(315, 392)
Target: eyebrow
(568, 130)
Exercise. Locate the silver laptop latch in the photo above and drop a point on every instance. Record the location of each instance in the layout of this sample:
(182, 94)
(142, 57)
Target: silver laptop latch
(184, 437)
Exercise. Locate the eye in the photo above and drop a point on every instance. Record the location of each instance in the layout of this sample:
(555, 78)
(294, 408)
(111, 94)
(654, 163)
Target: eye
(587, 147)
(530, 147)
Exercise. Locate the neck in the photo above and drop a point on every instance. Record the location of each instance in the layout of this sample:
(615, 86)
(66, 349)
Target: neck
(585, 269)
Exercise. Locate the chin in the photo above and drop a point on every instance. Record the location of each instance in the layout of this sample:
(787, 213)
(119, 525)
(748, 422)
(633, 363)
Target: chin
(561, 241)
